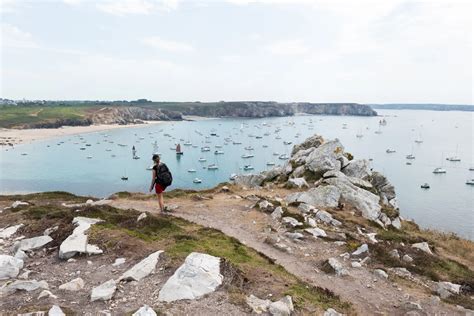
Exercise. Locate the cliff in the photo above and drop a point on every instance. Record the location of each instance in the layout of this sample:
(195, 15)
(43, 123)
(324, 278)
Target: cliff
(130, 115)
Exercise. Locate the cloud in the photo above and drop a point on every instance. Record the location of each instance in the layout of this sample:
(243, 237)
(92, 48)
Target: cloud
(167, 45)
(12, 36)
(288, 47)
(135, 7)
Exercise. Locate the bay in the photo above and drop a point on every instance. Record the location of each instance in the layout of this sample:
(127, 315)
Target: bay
(59, 164)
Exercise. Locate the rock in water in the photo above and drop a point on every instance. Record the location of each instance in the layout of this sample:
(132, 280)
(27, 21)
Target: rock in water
(104, 292)
(423, 246)
(77, 241)
(143, 268)
(145, 310)
(199, 275)
(9, 267)
(31, 243)
(56, 311)
(322, 196)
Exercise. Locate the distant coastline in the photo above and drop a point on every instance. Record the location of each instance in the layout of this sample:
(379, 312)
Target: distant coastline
(430, 107)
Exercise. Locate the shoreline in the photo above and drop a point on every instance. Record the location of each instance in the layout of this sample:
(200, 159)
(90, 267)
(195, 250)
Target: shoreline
(28, 136)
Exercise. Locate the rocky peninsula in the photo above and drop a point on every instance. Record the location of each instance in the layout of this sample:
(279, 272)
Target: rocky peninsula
(321, 235)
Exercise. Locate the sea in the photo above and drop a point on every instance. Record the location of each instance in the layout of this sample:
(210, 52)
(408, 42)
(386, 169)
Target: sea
(94, 163)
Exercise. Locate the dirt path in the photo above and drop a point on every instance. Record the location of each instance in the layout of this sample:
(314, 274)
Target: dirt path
(369, 294)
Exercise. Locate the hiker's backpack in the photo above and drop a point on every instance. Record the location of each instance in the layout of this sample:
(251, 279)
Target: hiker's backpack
(163, 175)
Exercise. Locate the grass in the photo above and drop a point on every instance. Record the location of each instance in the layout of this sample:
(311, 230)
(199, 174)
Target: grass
(17, 116)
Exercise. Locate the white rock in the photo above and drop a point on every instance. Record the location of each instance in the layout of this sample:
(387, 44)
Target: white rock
(77, 241)
(363, 249)
(311, 222)
(199, 275)
(394, 254)
(9, 231)
(372, 238)
(143, 268)
(104, 292)
(337, 267)
(407, 258)
(19, 203)
(89, 201)
(297, 183)
(56, 311)
(397, 223)
(50, 230)
(283, 307)
(305, 208)
(118, 262)
(145, 310)
(316, 232)
(331, 312)
(401, 272)
(265, 206)
(277, 213)
(141, 217)
(423, 246)
(23, 285)
(21, 255)
(73, 285)
(327, 218)
(381, 273)
(46, 293)
(291, 221)
(31, 243)
(294, 236)
(9, 267)
(446, 289)
(25, 274)
(258, 305)
(358, 168)
(322, 196)
(356, 264)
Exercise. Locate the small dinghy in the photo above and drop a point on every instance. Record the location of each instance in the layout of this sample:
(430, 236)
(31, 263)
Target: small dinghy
(425, 186)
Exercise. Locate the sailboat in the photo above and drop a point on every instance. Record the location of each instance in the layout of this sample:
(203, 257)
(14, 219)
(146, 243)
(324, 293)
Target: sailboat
(419, 140)
(124, 177)
(411, 156)
(440, 170)
(455, 157)
(197, 180)
(248, 167)
(178, 150)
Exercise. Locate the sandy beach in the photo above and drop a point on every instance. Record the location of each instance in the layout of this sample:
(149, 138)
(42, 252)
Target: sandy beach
(26, 136)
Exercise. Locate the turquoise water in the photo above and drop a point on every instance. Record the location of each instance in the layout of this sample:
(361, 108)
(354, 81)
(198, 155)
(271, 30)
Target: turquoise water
(59, 164)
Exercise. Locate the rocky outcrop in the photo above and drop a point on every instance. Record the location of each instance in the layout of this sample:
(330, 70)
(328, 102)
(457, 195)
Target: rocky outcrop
(131, 114)
(143, 268)
(77, 241)
(9, 267)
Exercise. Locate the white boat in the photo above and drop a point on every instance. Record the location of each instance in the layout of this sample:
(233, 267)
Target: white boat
(453, 158)
(202, 159)
(232, 177)
(89, 157)
(218, 146)
(136, 157)
(236, 143)
(287, 142)
(439, 170)
(278, 137)
(284, 157)
(390, 151)
(150, 167)
(245, 156)
(206, 148)
(191, 170)
(276, 154)
(197, 180)
(265, 146)
(248, 167)
(470, 182)
(218, 152)
(359, 135)
(249, 148)
(410, 156)
(471, 168)
(212, 167)
(408, 163)
(425, 186)
(188, 143)
(270, 163)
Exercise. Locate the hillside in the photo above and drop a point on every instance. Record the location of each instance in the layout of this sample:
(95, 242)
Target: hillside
(431, 107)
(321, 235)
(53, 114)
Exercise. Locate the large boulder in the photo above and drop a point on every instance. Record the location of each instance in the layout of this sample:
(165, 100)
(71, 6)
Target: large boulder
(385, 189)
(364, 201)
(311, 142)
(9, 267)
(322, 196)
(199, 275)
(77, 241)
(9, 231)
(297, 183)
(23, 285)
(358, 169)
(249, 180)
(325, 157)
(143, 268)
(73, 285)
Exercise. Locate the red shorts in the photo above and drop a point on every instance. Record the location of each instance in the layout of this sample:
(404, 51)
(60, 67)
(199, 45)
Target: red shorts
(158, 188)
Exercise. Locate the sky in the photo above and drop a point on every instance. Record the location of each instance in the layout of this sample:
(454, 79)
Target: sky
(366, 51)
